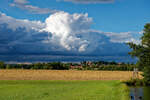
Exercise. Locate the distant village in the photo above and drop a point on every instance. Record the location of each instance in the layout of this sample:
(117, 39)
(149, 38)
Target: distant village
(85, 65)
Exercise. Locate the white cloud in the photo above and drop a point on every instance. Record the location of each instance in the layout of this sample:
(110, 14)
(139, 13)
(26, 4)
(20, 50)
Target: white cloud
(13, 23)
(24, 4)
(141, 32)
(21, 1)
(64, 28)
(89, 1)
(122, 37)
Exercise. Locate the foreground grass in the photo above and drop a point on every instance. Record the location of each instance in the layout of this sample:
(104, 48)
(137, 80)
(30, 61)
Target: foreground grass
(63, 90)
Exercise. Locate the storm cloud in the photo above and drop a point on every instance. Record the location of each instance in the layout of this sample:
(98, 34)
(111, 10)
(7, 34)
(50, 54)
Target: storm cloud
(61, 33)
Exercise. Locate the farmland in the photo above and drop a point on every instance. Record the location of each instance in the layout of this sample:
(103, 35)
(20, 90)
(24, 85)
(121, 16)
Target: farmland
(63, 75)
(63, 85)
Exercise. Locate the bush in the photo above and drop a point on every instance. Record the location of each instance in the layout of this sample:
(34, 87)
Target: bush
(2, 65)
(135, 82)
(146, 74)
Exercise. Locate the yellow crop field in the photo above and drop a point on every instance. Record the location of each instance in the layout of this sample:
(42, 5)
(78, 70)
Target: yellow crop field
(64, 75)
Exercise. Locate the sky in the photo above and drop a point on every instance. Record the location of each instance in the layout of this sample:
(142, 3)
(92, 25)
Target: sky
(62, 28)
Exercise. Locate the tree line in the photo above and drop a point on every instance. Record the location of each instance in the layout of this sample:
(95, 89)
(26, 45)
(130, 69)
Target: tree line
(100, 65)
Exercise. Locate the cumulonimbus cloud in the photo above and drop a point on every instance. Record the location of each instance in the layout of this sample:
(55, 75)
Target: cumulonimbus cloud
(62, 32)
(65, 27)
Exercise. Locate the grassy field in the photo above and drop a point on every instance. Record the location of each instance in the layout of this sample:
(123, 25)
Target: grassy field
(63, 85)
(62, 90)
(63, 75)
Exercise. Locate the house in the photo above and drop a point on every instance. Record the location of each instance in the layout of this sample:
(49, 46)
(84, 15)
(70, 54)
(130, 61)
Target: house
(76, 67)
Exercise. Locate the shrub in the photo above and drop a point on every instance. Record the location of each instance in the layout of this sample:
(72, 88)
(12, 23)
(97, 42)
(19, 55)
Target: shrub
(135, 82)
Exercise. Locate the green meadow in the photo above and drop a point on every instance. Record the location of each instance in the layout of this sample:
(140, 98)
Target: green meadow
(63, 90)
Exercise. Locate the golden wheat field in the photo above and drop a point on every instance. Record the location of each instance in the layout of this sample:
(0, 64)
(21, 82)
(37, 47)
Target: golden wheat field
(63, 75)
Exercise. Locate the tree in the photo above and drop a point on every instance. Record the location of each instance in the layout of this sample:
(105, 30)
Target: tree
(37, 66)
(142, 52)
(2, 65)
(8, 66)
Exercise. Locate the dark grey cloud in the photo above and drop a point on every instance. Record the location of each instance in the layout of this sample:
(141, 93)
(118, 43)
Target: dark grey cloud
(25, 5)
(89, 1)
